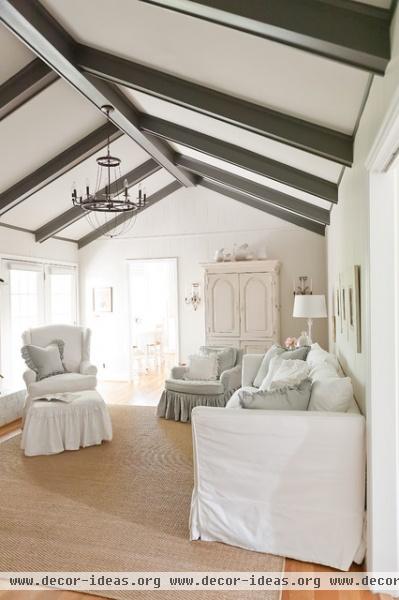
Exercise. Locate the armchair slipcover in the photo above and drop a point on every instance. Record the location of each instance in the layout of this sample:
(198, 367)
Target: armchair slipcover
(80, 375)
(181, 395)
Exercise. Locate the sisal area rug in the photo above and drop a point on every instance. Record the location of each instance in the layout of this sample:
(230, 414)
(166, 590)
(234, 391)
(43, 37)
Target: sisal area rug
(122, 506)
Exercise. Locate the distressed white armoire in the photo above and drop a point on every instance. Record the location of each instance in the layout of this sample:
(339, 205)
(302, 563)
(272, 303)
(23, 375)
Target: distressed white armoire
(242, 304)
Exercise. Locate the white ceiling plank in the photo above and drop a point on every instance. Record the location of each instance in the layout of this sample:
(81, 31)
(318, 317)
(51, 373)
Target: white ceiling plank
(377, 3)
(252, 176)
(41, 129)
(265, 72)
(14, 54)
(310, 163)
(55, 198)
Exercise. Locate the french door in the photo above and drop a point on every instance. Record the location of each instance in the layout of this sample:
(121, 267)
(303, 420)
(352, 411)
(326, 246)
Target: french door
(34, 294)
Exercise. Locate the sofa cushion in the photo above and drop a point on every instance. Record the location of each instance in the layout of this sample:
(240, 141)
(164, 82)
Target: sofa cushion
(200, 387)
(275, 350)
(66, 382)
(44, 361)
(226, 357)
(332, 394)
(294, 397)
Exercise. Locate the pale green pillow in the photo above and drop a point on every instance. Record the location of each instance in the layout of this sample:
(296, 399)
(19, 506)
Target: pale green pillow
(46, 361)
(287, 398)
(225, 355)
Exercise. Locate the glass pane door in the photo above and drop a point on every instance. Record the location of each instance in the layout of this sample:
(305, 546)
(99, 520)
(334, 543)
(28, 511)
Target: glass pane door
(26, 310)
(61, 294)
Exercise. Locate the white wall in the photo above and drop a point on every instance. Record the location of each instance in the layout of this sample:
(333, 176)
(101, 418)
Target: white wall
(348, 234)
(192, 225)
(364, 230)
(21, 243)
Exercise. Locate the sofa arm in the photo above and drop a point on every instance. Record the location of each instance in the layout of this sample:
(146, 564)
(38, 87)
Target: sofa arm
(295, 479)
(250, 368)
(86, 368)
(29, 377)
(231, 379)
(178, 372)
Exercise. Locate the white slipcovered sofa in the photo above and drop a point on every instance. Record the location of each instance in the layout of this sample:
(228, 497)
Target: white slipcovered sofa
(290, 483)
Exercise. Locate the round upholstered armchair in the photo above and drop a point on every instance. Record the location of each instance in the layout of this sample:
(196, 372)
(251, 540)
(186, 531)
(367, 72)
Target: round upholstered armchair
(181, 393)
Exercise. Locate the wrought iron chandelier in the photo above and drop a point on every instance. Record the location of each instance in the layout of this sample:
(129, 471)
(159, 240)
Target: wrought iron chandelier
(110, 207)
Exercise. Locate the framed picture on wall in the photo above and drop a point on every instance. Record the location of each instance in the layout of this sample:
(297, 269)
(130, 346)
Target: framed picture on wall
(102, 299)
(357, 307)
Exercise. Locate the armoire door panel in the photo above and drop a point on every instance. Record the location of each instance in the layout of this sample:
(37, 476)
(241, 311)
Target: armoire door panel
(256, 346)
(257, 305)
(223, 315)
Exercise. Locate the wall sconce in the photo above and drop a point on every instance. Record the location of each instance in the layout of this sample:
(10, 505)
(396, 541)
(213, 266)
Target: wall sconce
(303, 286)
(194, 298)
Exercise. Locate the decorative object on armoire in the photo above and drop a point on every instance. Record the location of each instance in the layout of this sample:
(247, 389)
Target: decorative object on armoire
(219, 255)
(310, 307)
(193, 297)
(110, 200)
(302, 285)
(291, 343)
(182, 394)
(242, 304)
(243, 252)
(303, 340)
(102, 299)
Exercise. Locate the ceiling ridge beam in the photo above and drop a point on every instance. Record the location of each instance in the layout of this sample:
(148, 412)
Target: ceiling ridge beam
(280, 213)
(241, 157)
(263, 193)
(151, 200)
(318, 140)
(25, 85)
(75, 213)
(347, 32)
(57, 166)
(31, 23)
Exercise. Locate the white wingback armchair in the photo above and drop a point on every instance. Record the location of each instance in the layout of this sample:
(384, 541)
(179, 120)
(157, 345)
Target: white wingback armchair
(80, 375)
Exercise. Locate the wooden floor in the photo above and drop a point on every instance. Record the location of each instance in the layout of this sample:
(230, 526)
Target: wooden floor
(145, 391)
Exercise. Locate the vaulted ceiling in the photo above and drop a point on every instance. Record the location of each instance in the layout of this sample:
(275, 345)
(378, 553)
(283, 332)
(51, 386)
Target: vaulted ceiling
(257, 100)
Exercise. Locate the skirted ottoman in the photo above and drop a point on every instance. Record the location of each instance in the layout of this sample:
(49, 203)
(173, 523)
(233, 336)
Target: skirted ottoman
(54, 426)
(180, 396)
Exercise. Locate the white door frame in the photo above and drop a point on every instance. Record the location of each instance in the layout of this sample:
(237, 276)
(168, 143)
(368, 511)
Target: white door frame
(174, 261)
(383, 343)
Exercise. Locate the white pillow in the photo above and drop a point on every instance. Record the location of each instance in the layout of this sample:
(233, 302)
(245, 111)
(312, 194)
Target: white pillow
(323, 370)
(283, 373)
(318, 356)
(202, 367)
(334, 395)
(274, 364)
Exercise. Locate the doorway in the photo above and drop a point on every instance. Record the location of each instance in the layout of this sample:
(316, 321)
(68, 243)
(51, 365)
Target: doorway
(153, 315)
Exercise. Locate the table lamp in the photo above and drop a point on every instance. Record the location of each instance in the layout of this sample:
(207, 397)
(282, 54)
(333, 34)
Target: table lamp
(310, 307)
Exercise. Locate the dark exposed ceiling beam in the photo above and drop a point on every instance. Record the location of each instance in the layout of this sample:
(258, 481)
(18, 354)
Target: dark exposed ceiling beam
(301, 134)
(351, 33)
(57, 166)
(153, 199)
(263, 193)
(24, 85)
(31, 23)
(285, 215)
(236, 155)
(75, 213)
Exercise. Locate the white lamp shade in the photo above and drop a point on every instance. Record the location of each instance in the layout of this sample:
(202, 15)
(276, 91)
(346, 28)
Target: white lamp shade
(310, 306)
